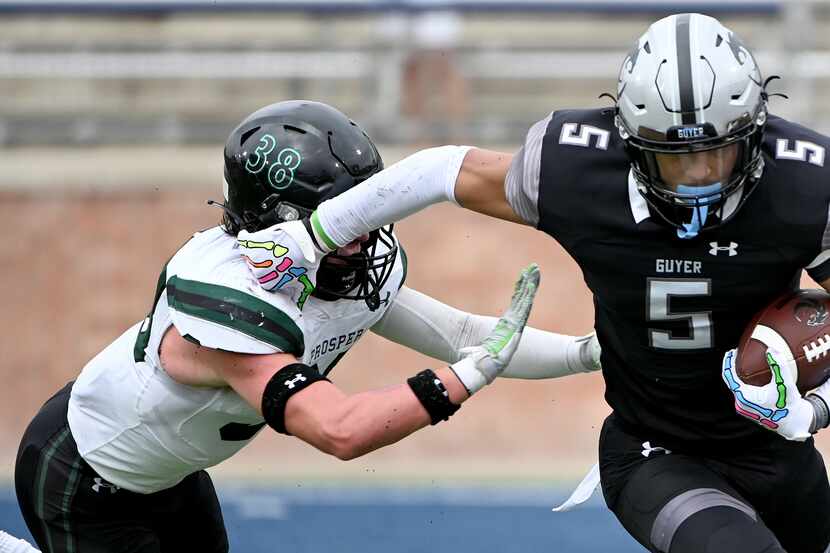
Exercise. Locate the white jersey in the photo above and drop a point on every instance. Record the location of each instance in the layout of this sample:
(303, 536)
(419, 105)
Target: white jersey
(143, 431)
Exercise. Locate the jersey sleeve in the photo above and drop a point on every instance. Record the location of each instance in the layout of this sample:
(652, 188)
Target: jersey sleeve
(521, 186)
(798, 192)
(226, 317)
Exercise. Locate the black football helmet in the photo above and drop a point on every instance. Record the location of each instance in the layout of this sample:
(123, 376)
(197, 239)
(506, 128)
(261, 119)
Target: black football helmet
(287, 158)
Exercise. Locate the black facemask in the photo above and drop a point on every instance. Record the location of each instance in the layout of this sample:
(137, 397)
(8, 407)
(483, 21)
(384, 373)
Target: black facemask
(360, 276)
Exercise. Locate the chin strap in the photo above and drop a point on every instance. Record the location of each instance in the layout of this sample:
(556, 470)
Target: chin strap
(699, 213)
(232, 214)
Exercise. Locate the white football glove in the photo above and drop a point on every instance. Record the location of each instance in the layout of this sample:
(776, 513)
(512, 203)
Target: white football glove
(282, 258)
(778, 405)
(483, 363)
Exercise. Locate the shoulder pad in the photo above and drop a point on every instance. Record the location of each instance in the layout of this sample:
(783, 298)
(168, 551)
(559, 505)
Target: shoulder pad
(591, 129)
(790, 141)
(215, 301)
(221, 317)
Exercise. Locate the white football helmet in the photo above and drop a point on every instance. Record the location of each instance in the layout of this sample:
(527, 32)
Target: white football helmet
(691, 110)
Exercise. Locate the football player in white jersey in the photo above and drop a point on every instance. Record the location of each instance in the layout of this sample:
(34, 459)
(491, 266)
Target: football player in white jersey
(242, 334)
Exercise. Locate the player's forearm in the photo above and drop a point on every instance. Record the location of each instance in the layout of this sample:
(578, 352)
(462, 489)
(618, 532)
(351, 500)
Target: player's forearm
(350, 426)
(544, 354)
(418, 181)
(440, 331)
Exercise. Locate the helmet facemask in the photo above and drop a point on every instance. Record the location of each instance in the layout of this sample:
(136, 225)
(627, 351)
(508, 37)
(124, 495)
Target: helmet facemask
(691, 110)
(699, 184)
(359, 276)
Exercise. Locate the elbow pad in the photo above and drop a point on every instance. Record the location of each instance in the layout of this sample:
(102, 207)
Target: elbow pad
(285, 383)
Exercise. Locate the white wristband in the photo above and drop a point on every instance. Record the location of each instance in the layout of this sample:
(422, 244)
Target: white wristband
(466, 371)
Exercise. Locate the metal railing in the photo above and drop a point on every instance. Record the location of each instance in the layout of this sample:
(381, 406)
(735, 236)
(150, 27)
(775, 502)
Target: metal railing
(351, 6)
(367, 79)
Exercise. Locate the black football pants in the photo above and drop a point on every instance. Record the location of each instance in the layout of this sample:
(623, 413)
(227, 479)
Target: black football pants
(767, 499)
(69, 508)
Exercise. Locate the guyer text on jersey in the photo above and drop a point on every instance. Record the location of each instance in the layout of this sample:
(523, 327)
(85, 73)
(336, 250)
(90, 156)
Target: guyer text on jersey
(682, 266)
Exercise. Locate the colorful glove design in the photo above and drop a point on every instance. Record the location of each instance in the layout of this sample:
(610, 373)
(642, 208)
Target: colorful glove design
(282, 257)
(778, 405)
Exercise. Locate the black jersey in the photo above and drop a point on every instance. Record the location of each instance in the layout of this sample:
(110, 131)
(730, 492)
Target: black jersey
(666, 309)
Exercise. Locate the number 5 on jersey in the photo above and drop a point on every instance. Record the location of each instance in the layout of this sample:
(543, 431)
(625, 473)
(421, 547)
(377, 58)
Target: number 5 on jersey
(659, 293)
(575, 134)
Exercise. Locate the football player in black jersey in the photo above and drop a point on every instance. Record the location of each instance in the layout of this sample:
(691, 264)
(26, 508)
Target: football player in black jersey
(688, 207)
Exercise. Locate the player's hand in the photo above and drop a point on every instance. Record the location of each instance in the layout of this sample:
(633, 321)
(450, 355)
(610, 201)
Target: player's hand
(778, 405)
(481, 364)
(282, 258)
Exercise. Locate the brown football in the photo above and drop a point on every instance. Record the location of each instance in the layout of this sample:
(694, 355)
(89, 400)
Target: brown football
(799, 322)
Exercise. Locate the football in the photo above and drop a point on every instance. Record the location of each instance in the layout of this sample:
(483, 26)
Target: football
(799, 323)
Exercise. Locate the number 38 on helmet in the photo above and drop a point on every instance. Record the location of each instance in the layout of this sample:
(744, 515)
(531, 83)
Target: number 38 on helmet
(287, 158)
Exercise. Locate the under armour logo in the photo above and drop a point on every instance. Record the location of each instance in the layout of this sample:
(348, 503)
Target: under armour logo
(294, 381)
(732, 248)
(648, 450)
(441, 387)
(101, 483)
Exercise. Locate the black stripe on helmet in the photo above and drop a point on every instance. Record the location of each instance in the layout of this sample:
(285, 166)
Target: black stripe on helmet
(684, 70)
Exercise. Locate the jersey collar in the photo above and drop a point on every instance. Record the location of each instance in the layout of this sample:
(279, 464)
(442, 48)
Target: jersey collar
(639, 207)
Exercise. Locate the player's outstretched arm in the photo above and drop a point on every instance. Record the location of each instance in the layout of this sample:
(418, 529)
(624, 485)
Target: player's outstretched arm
(471, 177)
(294, 399)
(438, 330)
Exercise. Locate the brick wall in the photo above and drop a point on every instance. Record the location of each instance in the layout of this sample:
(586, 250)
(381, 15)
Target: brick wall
(78, 269)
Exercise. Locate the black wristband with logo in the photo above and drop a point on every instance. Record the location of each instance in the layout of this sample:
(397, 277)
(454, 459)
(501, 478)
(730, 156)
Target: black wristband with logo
(433, 395)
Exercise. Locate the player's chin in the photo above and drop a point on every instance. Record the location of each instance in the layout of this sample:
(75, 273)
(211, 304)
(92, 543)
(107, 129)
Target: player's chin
(347, 251)
(337, 259)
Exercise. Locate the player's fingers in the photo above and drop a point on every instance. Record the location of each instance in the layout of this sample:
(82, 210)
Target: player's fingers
(523, 300)
(297, 232)
(532, 274)
(730, 376)
(785, 364)
(728, 372)
(518, 289)
(469, 350)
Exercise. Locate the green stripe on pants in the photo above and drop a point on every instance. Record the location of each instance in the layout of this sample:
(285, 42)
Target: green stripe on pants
(40, 503)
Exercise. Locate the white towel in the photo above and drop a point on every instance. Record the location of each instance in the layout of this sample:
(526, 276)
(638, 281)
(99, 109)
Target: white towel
(10, 544)
(583, 491)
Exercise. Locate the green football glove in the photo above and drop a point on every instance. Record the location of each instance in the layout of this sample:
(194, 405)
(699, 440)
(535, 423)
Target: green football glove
(481, 364)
